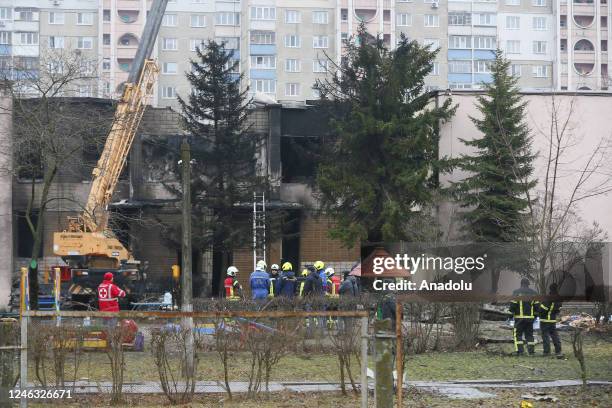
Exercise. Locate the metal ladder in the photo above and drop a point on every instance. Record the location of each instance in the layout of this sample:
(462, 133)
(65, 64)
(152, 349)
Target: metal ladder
(259, 228)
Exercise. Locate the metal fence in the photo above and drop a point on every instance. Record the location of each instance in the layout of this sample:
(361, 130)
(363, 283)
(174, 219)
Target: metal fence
(177, 355)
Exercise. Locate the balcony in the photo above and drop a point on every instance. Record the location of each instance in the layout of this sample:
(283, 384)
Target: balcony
(584, 21)
(128, 4)
(365, 15)
(128, 16)
(125, 64)
(128, 40)
(584, 69)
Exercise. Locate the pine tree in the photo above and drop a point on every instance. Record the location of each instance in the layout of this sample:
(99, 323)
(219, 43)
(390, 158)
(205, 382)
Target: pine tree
(494, 192)
(224, 149)
(381, 164)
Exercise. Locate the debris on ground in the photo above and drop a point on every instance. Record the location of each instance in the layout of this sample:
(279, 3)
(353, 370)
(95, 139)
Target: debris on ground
(582, 321)
(540, 396)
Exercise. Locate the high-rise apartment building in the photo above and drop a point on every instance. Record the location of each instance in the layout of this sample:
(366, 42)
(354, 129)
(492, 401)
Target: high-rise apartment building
(284, 46)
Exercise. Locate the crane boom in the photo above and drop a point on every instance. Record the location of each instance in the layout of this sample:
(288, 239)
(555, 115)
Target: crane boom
(88, 235)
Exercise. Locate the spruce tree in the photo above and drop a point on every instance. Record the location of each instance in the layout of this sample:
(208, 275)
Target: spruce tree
(381, 163)
(502, 162)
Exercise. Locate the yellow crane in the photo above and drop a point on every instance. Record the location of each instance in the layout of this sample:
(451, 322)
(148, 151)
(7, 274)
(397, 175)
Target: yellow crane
(88, 243)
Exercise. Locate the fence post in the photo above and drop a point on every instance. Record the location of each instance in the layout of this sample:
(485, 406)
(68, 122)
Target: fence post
(23, 368)
(383, 360)
(399, 356)
(364, 362)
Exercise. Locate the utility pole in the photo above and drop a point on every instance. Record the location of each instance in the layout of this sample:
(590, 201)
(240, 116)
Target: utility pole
(186, 277)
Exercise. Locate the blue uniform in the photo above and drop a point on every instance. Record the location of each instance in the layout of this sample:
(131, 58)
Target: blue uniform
(286, 284)
(260, 284)
(323, 278)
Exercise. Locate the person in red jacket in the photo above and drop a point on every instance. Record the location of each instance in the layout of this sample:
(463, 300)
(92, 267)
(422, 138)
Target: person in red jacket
(109, 294)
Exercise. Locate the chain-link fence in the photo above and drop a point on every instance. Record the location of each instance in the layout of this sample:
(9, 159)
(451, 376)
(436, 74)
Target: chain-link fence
(181, 356)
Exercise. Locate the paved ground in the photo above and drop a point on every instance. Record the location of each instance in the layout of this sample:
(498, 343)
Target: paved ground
(467, 389)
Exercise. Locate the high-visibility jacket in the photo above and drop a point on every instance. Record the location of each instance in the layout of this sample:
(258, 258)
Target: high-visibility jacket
(272, 290)
(108, 296)
(233, 290)
(335, 285)
(524, 309)
(300, 282)
(549, 311)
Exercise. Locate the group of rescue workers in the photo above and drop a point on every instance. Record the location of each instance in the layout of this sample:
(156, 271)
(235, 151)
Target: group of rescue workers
(282, 281)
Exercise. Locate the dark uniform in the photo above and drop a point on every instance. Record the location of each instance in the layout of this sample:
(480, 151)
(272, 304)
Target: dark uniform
(524, 312)
(548, 325)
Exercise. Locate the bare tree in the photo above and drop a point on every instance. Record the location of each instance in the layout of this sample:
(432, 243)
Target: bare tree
(50, 131)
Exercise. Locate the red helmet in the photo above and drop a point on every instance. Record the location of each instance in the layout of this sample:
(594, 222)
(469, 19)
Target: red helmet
(108, 276)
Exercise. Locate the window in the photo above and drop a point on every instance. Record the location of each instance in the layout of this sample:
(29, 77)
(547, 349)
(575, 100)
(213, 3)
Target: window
(344, 15)
(85, 91)
(169, 44)
(459, 18)
(539, 23)
(404, 19)
(25, 15)
(539, 47)
(319, 65)
(6, 13)
(169, 68)
(487, 19)
(431, 20)
(85, 18)
(539, 3)
(106, 39)
(482, 67)
(263, 61)
(168, 92)
(292, 41)
(198, 20)
(227, 18)
(56, 18)
(233, 65)
(263, 85)
(292, 89)
(319, 41)
(194, 43)
(316, 93)
(169, 20)
(485, 43)
(513, 47)
(5, 37)
(231, 43)
(28, 38)
(293, 16)
(540, 71)
(106, 15)
(515, 70)
(106, 64)
(459, 42)
(435, 69)
(293, 65)
(263, 13)
(513, 2)
(433, 43)
(85, 43)
(459, 67)
(56, 42)
(455, 85)
(513, 22)
(320, 17)
(263, 37)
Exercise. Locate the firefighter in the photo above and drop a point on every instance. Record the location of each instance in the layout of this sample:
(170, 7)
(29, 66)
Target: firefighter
(109, 294)
(233, 289)
(319, 267)
(548, 323)
(313, 285)
(333, 282)
(300, 282)
(524, 312)
(260, 281)
(286, 284)
(274, 278)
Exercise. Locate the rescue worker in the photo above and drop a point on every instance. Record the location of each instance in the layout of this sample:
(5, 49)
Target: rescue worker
(274, 278)
(524, 312)
(349, 286)
(333, 282)
(233, 289)
(319, 267)
(300, 282)
(548, 323)
(109, 294)
(260, 281)
(313, 285)
(287, 281)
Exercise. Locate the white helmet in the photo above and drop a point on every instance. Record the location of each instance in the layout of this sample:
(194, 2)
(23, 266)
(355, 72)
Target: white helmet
(329, 271)
(231, 271)
(274, 267)
(261, 265)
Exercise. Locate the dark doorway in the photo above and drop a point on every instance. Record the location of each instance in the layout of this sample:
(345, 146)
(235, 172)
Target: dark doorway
(291, 238)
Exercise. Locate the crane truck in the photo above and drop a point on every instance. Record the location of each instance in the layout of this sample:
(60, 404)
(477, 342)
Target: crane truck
(88, 245)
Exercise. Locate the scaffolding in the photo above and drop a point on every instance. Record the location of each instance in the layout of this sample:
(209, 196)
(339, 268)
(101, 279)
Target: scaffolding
(259, 228)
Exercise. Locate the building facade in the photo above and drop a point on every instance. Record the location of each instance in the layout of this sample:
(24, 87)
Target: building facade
(284, 46)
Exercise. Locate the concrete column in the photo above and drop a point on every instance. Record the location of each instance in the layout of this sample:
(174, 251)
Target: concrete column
(6, 198)
(383, 361)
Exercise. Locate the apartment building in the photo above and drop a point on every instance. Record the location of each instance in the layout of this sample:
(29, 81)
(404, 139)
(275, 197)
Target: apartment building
(284, 46)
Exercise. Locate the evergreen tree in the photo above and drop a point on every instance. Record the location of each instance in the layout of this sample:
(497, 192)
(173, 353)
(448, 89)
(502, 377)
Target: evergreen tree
(502, 162)
(381, 164)
(224, 149)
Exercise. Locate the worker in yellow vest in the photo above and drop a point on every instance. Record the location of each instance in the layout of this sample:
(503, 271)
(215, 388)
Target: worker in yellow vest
(233, 289)
(301, 280)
